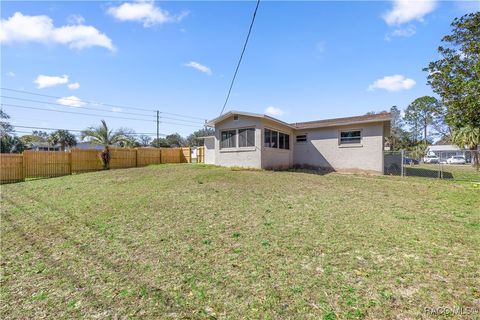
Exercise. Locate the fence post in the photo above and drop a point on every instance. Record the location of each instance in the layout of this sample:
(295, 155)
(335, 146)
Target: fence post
(136, 157)
(401, 165)
(24, 164)
(70, 161)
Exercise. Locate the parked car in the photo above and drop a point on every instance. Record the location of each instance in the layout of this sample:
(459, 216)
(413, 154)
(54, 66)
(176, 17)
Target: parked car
(431, 159)
(410, 161)
(456, 160)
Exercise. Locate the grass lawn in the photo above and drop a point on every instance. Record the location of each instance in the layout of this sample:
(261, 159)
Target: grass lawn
(194, 241)
(449, 171)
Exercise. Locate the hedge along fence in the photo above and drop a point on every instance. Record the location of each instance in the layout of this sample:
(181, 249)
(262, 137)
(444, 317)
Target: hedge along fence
(45, 164)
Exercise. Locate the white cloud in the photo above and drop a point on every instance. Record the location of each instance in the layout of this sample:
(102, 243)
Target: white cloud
(199, 67)
(73, 86)
(401, 32)
(76, 19)
(116, 109)
(404, 11)
(145, 12)
(44, 81)
(23, 28)
(71, 101)
(393, 83)
(11, 74)
(274, 111)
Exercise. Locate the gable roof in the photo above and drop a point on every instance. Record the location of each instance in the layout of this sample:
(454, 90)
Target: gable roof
(212, 123)
(379, 117)
(369, 118)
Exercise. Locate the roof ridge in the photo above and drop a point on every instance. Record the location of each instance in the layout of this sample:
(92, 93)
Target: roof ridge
(376, 115)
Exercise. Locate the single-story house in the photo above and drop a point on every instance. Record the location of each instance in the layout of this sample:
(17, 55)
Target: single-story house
(42, 146)
(445, 151)
(88, 146)
(353, 144)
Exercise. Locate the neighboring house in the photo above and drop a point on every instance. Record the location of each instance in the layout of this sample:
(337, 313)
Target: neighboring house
(445, 151)
(42, 146)
(88, 146)
(259, 141)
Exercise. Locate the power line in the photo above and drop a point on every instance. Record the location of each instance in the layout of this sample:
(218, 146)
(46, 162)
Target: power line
(79, 113)
(181, 124)
(183, 116)
(76, 130)
(66, 106)
(99, 103)
(241, 56)
(61, 105)
(195, 122)
(69, 99)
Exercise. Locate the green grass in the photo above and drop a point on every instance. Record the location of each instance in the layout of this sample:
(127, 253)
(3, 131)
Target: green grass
(194, 241)
(450, 172)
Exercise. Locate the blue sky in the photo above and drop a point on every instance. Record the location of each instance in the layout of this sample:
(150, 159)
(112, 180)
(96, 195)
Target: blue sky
(305, 61)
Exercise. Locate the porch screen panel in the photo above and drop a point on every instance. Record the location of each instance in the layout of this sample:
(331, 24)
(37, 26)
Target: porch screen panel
(228, 139)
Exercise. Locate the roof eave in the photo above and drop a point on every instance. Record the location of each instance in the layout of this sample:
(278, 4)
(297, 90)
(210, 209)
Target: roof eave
(341, 124)
(212, 122)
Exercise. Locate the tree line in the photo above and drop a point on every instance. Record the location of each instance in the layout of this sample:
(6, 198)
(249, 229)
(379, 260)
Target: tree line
(454, 118)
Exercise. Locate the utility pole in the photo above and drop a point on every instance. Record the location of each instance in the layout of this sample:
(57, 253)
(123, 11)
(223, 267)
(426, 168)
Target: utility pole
(158, 128)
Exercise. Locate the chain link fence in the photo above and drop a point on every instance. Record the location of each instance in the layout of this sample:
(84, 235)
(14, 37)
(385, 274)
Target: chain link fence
(450, 165)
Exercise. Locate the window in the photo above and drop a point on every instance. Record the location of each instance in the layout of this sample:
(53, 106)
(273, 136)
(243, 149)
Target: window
(275, 139)
(283, 141)
(228, 139)
(267, 138)
(246, 137)
(350, 137)
(302, 138)
(235, 117)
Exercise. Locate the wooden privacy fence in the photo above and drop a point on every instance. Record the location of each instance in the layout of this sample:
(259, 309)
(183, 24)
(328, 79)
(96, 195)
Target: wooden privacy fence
(11, 167)
(36, 164)
(200, 154)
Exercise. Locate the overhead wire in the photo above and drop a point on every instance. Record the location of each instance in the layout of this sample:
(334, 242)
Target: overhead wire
(70, 112)
(116, 112)
(68, 106)
(100, 103)
(241, 57)
(76, 130)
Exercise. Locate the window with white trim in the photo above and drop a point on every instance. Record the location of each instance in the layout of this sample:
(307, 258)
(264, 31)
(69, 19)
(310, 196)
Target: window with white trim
(351, 137)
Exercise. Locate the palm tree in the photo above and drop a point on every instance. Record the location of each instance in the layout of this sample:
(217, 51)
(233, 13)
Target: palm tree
(468, 136)
(64, 138)
(103, 135)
